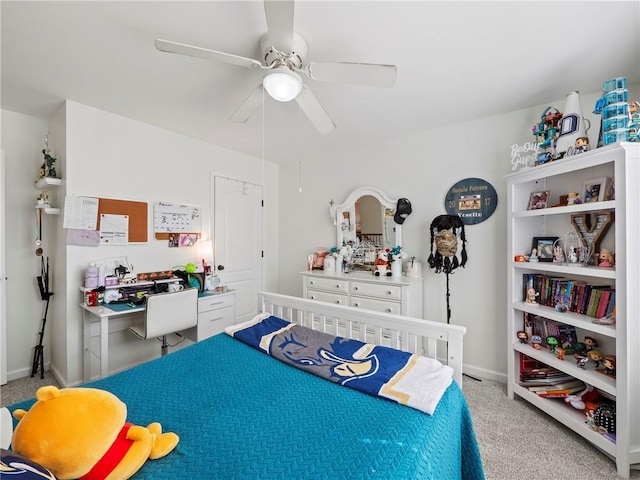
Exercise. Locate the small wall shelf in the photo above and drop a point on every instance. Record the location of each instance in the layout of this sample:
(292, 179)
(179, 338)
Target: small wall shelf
(48, 181)
(49, 210)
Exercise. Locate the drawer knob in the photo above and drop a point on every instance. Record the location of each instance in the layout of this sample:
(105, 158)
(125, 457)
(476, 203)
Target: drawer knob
(312, 297)
(337, 285)
(355, 288)
(338, 302)
(356, 304)
(389, 292)
(311, 282)
(389, 310)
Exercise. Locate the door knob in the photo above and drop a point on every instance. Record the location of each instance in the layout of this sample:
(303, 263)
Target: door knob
(220, 267)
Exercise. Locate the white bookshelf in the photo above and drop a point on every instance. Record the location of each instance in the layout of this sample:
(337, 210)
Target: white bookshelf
(622, 162)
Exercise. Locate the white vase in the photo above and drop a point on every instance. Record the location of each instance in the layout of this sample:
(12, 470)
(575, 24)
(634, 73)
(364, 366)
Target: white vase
(396, 268)
(572, 125)
(330, 263)
(339, 263)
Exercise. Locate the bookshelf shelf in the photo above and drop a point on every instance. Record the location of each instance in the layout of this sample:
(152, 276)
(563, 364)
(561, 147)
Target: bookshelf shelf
(569, 318)
(622, 163)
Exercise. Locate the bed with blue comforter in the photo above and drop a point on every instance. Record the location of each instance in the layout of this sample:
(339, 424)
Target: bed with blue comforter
(241, 414)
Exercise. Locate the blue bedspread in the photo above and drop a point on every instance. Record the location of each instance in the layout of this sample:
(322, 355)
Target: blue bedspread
(243, 415)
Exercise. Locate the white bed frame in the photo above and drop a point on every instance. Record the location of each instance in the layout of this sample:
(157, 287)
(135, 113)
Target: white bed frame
(413, 335)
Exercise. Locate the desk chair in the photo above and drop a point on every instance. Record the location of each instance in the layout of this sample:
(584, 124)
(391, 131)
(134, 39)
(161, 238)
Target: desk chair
(168, 313)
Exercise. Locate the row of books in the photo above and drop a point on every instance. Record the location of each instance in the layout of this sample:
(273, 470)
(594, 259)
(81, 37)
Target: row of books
(546, 381)
(566, 334)
(595, 301)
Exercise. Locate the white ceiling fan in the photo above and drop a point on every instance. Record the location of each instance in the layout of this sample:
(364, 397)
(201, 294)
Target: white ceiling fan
(283, 64)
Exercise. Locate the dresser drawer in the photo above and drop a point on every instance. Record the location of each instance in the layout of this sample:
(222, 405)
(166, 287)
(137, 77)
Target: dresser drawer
(329, 284)
(376, 305)
(211, 323)
(327, 297)
(214, 302)
(392, 292)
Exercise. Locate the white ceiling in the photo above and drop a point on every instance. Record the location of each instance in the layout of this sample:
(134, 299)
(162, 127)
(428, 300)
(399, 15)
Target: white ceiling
(456, 61)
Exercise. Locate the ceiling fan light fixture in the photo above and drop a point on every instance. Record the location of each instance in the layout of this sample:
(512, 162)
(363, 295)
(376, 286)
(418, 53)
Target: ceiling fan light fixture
(282, 84)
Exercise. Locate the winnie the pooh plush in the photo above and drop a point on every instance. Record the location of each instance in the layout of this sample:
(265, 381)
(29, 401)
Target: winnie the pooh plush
(82, 433)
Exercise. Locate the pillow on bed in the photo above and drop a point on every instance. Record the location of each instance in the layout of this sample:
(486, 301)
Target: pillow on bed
(19, 468)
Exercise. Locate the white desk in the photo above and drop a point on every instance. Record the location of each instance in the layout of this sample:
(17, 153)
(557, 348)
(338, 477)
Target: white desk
(105, 316)
(100, 321)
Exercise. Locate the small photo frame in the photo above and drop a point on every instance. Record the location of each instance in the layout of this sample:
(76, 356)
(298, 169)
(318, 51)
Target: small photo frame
(594, 190)
(544, 248)
(611, 191)
(538, 200)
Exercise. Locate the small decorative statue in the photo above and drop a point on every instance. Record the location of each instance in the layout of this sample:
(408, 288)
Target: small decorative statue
(606, 258)
(581, 145)
(48, 168)
(531, 296)
(382, 264)
(573, 198)
(533, 258)
(522, 336)
(609, 364)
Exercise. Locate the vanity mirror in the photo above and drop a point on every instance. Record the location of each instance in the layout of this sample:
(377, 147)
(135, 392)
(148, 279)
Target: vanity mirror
(365, 221)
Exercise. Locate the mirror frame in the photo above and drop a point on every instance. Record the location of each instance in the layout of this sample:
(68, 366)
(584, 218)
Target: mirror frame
(350, 202)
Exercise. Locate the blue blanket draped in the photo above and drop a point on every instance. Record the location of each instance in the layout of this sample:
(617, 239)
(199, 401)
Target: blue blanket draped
(399, 376)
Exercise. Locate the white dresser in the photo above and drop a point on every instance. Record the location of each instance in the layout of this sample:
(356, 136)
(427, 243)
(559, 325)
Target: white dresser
(216, 311)
(400, 296)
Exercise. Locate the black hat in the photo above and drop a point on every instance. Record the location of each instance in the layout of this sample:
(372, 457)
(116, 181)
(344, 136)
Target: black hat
(403, 210)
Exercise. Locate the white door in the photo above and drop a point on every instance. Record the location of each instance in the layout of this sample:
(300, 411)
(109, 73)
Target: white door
(3, 310)
(237, 237)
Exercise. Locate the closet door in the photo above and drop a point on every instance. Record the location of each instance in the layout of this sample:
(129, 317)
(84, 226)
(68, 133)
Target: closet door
(237, 238)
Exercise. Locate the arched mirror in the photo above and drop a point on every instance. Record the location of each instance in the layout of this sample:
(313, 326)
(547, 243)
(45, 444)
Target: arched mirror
(365, 221)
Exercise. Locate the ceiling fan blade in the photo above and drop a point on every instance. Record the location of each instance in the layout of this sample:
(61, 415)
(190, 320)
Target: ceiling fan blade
(314, 111)
(249, 106)
(374, 75)
(280, 23)
(197, 52)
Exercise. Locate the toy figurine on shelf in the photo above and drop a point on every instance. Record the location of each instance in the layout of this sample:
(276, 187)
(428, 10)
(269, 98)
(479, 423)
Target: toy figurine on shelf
(43, 199)
(48, 168)
(531, 296)
(605, 258)
(581, 361)
(533, 258)
(581, 145)
(536, 341)
(522, 336)
(573, 198)
(609, 364)
(590, 343)
(595, 356)
(546, 132)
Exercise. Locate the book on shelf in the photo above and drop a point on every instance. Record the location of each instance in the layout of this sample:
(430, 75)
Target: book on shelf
(561, 393)
(573, 383)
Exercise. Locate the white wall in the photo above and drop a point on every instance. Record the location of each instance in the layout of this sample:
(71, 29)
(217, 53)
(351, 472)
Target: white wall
(106, 155)
(23, 141)
(422, 168)
(115, 157)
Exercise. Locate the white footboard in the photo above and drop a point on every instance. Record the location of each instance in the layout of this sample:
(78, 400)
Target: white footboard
(413, 335)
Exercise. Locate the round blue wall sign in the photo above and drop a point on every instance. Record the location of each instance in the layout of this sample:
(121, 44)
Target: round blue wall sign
(474, 200)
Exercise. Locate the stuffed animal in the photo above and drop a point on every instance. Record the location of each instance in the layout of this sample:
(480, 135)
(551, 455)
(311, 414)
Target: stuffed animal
(382, 264)
(83, 433)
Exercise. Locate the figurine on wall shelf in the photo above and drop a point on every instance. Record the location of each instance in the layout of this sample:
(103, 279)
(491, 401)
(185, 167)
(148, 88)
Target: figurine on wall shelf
(533, 258)
(522, 336)
(48, 168)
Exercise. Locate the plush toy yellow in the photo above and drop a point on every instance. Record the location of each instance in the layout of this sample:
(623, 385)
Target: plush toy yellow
(82, 433)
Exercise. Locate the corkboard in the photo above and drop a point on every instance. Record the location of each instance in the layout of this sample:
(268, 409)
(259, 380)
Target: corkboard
(137, 212)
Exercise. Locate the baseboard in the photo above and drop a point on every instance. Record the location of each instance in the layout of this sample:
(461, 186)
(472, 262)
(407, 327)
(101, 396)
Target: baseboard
(485, 374)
